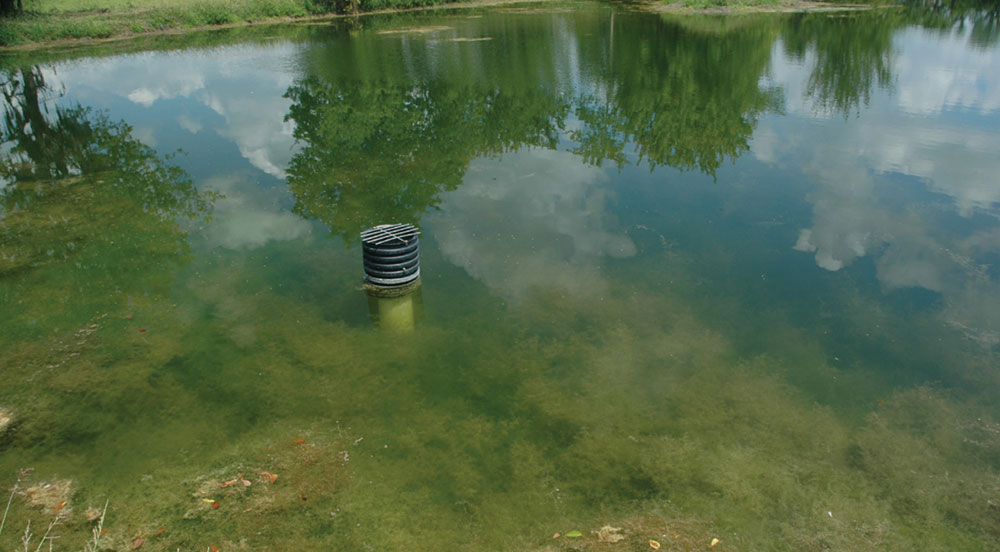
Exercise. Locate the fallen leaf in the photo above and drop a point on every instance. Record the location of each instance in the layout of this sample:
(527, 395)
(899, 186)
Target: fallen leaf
(160, 531)
(299, 441)
(244, 481)
(213, 548)
(574, 534)
(271, 476)
(208, 500)
(104, 531)
(555, 536)
(137, 543)
(60, 506)
(215, 505)
(142, 330)
(714, 542)
(654, 545)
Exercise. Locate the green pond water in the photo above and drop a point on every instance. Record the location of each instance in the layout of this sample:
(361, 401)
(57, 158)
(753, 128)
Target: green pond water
(693, 278)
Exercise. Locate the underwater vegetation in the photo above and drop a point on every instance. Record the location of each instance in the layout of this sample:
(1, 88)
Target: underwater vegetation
(162, 391)
(498, 438)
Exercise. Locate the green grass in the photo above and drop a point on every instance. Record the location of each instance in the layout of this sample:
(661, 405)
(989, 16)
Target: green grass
(69, 19)
(51, 20)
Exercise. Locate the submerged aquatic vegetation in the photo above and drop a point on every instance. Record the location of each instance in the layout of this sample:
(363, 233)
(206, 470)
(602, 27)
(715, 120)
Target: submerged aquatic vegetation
(656, 393)
(518, 430)
(6, 419)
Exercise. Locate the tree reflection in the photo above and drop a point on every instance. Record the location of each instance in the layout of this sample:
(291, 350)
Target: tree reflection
(853, 55)
(379, 153)
(79, 193)
(686, 96)
(982, 17)
(389, 122)
(378, 147)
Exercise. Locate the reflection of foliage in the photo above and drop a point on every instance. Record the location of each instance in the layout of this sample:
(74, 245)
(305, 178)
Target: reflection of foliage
(686, 98)
(79, 142)
(383, 153)
(853, 55)
(983, 16)
(681, 93)
(84, 196)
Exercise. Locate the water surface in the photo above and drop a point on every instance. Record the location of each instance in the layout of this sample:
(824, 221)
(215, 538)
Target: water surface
(691, 277)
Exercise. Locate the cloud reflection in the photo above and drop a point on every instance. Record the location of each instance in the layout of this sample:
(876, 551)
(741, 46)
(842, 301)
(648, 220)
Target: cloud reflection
(904, 189)
(244, 84)
(944, 72)
(246, 218)
(536, 220)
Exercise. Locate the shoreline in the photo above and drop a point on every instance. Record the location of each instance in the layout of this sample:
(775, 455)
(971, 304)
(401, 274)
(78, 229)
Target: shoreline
(785, 6)
(277, 20)
(789, 6)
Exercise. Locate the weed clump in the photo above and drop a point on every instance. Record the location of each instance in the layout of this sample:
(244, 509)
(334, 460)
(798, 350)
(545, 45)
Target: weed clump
(6, 420)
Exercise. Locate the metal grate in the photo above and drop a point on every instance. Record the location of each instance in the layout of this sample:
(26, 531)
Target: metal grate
(389, 233)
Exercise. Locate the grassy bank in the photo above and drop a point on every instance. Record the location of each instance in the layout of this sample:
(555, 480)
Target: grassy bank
(52, 21)
(47, 21)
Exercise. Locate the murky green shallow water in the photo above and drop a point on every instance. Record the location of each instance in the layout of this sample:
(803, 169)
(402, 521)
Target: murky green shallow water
(695, 278)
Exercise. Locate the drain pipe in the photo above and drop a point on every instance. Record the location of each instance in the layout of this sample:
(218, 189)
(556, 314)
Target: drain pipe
(392, 275)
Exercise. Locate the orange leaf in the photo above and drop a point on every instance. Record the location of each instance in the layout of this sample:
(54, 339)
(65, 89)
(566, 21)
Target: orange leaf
(271, 476)
(137, 543)
(215, 505)
(60, 506)
(299, 441)
(213, 548)
(161, 530)
(104, 531)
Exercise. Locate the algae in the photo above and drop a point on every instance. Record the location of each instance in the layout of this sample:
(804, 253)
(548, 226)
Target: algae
(236, 395)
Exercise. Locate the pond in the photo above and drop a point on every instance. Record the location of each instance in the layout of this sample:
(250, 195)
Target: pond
(687, 282)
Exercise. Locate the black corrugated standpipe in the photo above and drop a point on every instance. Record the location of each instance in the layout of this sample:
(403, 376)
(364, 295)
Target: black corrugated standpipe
(392, 273)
